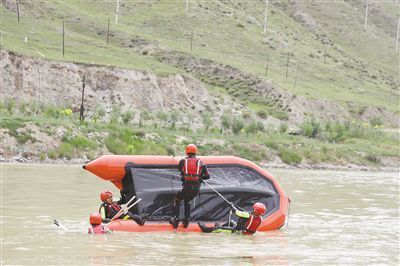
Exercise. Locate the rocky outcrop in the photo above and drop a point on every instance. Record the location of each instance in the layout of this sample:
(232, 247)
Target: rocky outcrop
(60, 83)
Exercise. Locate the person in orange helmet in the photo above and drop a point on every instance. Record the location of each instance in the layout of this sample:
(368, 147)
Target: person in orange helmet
(247, 223)
(193, 172)
(96, 227)
(109, 208)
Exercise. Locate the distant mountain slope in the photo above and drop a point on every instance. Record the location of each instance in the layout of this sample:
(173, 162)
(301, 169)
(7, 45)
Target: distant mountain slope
(314, 49)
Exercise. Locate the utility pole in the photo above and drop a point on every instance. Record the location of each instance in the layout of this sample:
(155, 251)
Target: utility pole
(266, 70)
(17, 11)
(397, 36)
(108, 30)
(81, 117)
(266, 16)
(63, 39)
(366, 14)
(287, 64)
(191, 41)
(116, 13)
(187, 6)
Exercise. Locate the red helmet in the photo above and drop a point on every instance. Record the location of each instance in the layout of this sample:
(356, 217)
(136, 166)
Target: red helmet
(105, 194)
(95, 218)
(259, 208)
(191, 148)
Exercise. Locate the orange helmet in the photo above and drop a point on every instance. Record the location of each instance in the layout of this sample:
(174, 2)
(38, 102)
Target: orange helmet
(259, 208)
(105, 194)
(95, 218)
(191, 148)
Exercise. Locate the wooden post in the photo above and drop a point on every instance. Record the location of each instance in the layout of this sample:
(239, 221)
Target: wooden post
(266, 70)
(366, 14)
(266, 16)
(191, 42)
(287, 64)
(81, 117)
(63, 39)
(397, 36)
(17, 11)
(108, 30)
(116, 12)
(187, 6)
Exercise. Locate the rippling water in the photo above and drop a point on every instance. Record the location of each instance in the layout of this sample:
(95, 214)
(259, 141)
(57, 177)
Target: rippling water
(336, 218)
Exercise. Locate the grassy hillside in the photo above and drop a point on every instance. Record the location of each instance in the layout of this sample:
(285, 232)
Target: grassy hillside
(330, 53)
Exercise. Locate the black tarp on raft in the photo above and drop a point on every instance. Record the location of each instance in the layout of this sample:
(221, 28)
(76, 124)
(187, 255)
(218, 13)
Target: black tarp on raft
(157, 186)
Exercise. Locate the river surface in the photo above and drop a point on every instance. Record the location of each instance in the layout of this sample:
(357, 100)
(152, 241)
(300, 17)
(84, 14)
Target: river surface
(337, 217)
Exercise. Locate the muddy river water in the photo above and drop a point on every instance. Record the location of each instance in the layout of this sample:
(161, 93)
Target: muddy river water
(337, 217)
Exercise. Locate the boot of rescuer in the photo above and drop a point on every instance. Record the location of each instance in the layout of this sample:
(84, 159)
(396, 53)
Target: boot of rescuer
(175, 222)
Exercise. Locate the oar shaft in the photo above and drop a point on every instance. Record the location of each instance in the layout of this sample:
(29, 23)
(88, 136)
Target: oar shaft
(123, 209)
(133, 204)
(219, 194)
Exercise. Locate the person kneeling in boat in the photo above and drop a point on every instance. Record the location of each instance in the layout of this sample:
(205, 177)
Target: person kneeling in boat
(247, 223)
(96, 227)
(193, 172)
(109, 208)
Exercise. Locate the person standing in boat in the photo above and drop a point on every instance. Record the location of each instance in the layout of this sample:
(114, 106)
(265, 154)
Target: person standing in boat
(109, 208)
(193, 172)
(96, 227)
(247, 223)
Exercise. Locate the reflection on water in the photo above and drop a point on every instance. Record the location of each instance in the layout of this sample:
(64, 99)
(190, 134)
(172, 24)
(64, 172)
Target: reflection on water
(336, 218)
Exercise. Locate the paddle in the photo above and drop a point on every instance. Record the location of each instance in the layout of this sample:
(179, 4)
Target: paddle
(60, 225)
(123, 210)
(219, 194)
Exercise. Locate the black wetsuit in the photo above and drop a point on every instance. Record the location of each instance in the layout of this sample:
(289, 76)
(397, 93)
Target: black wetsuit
(189, 191)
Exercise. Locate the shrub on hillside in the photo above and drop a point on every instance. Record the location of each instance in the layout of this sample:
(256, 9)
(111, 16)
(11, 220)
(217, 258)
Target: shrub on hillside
(115, 115)
(310, 128)
(262, 114)
(116, 146)
(66, 150)
(82, 143)
(289, 157)
(283, 127)
(237, 125)
(226, 121)
(207, 121)
(376, 121)
(254, 126)
(9, 105)
(127, 117)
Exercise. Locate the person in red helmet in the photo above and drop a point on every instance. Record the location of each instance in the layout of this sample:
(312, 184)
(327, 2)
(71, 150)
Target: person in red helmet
(193, 172)
(247, 223)
(109, 208)
(96, 227)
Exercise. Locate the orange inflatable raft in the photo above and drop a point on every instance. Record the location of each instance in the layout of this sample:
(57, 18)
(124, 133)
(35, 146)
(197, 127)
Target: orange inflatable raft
(156, 180)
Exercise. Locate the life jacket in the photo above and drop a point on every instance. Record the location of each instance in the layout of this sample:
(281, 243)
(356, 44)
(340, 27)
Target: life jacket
(97, 230)
(252, 224)
(111, 209)
(192, 169)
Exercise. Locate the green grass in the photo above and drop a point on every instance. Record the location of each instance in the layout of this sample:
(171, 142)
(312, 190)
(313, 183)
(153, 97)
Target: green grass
(259, 146)
(361, 65)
